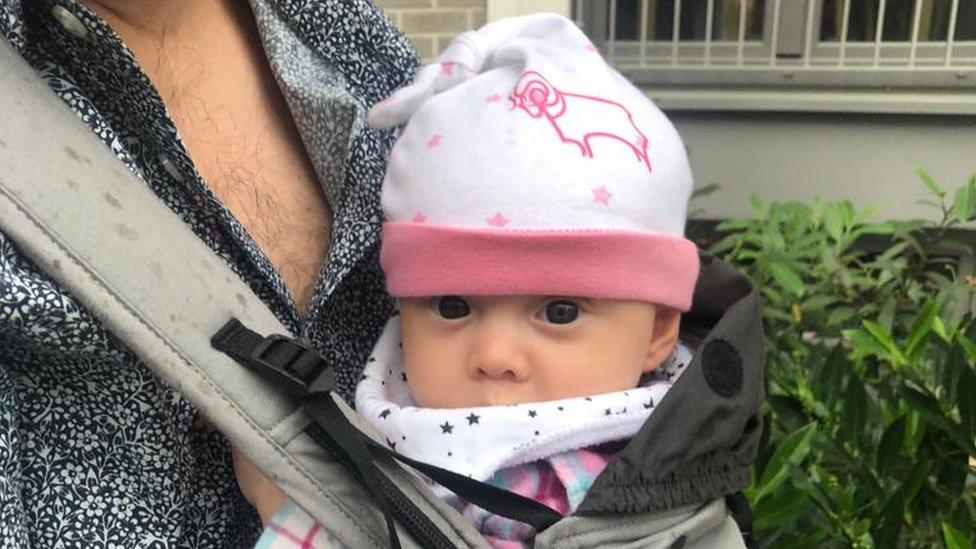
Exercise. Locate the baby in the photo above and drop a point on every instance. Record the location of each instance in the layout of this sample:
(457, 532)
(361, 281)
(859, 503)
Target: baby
(535, 205)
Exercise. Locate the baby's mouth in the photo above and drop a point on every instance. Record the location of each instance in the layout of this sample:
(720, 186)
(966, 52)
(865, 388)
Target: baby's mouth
(501, 396)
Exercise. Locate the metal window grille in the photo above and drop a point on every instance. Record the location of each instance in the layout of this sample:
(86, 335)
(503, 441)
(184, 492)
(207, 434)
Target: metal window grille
(787, 43)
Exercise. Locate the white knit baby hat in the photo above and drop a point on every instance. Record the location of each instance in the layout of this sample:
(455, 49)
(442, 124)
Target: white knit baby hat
(529, 166)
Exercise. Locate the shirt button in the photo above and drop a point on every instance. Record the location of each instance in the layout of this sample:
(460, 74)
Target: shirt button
(69, 21)
(170, 168)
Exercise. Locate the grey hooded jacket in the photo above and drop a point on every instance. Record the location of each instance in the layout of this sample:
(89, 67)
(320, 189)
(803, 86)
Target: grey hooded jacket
(667, 485)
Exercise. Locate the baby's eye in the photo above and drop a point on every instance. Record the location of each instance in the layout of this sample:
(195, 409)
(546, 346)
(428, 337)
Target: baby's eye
(451, 307)
(561, 311)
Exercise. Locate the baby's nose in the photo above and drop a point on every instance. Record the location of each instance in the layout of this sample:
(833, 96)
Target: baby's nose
(500, 357)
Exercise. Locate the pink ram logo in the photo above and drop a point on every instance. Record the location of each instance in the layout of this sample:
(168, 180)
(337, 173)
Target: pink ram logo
(575, 116)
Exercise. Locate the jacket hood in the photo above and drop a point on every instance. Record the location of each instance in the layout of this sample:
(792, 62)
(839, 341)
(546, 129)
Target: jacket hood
(701, 442)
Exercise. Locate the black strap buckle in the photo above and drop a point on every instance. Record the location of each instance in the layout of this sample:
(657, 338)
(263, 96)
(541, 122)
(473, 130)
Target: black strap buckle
(291, 363)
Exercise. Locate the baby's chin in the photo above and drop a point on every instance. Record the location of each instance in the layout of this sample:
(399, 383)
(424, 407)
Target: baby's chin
(476, 402)
(496, 396)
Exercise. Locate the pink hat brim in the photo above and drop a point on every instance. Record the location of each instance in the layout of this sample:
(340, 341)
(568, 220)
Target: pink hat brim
(428, 260)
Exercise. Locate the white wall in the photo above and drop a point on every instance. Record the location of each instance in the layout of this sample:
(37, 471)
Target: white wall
(866, 158)
(507, 8)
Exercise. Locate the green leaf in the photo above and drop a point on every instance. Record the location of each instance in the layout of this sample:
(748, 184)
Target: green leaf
(884, 338)
(864, 541)
(916, 479)
(705, 190)
(833, 222)
(846, 210)
(787, 278)
(961, 519)
(865, 344)
(789, 410)
(928, 406)
(892, 252)
(775, 298)
(875, 228)
(865, 213)
(930, 182)
(819, 302)
(891, 444)
(792, 450)
(963, 204)
(855, 410)
(920, 327)
(758, 207)
(939, 328)
(780, 508)
(916, 431)
(808, 539)
(730, 225)
(966, 398)
(837, 316)
(951, 474)
(954, 539)
(968, 346)
(776, 314)
(835, 368)
(889, 528)
(886, 317)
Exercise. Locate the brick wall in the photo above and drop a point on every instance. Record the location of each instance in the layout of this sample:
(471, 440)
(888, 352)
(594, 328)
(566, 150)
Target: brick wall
(431, 24)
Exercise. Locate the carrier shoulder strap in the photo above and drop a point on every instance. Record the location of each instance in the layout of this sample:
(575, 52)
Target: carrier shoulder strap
(81, 216)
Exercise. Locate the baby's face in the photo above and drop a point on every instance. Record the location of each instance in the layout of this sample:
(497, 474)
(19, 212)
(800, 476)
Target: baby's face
(494, 350)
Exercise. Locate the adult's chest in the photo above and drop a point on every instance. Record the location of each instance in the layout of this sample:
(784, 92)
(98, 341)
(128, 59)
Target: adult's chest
(222, 97)
(256, 166)
(244, 148)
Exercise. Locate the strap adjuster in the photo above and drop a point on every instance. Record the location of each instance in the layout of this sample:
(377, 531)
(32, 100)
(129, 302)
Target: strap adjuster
(291, 363)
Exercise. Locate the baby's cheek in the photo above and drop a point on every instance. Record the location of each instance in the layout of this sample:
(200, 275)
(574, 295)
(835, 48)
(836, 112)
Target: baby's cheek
(600, 376)
(429, 387)
(573, 380)
(422, 389)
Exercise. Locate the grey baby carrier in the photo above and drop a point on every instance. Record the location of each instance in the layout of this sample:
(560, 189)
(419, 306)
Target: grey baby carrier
(74, 209)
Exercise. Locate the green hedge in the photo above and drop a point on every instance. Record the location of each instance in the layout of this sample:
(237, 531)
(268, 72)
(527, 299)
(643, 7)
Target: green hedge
(871, 384)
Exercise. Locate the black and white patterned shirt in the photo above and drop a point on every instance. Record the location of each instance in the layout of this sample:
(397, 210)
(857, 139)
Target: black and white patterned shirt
(94, 450)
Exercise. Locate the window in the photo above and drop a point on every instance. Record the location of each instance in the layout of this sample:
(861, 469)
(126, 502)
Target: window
(695, 16)
(788, 43)
(935, 18)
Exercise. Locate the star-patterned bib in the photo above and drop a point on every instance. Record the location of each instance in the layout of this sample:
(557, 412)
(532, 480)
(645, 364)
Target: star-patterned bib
(479, 441)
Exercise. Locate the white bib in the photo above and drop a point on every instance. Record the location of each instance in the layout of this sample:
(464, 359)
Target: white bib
(479, 441)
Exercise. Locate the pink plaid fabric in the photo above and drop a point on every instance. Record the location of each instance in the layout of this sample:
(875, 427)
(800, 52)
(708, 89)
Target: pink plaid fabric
(560, 481)
(292, 528)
